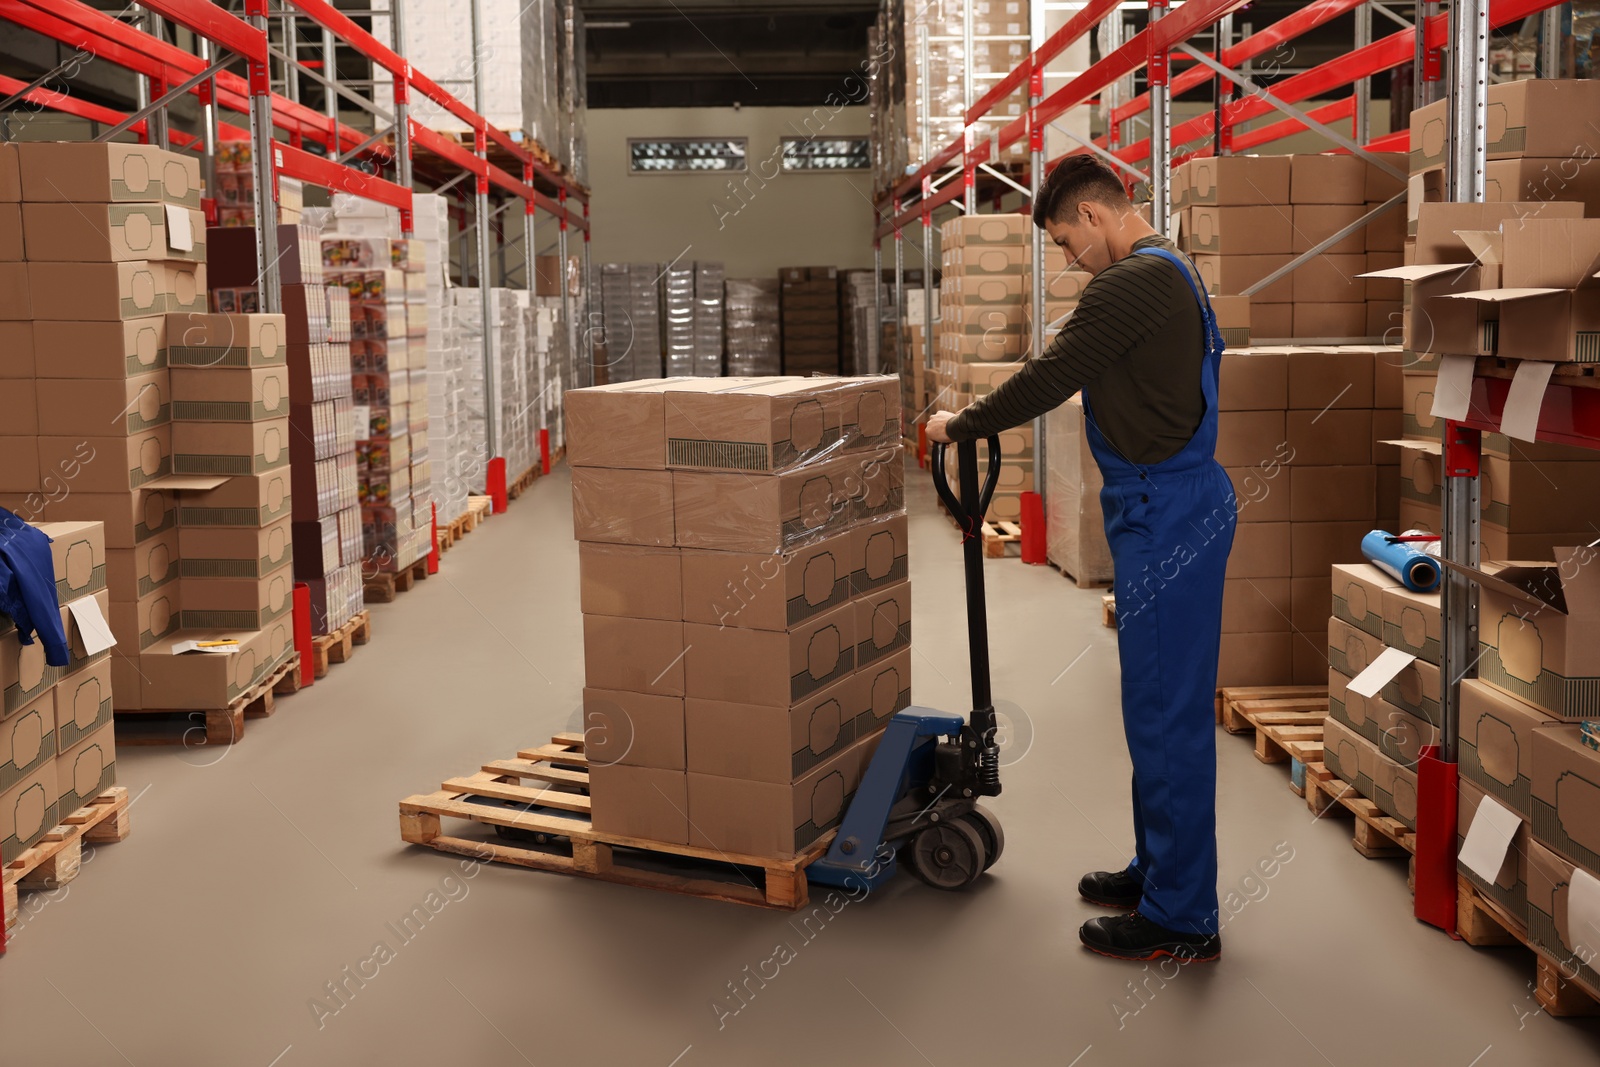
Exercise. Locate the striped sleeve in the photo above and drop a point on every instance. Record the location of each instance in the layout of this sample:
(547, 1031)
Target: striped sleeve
(1121, 309)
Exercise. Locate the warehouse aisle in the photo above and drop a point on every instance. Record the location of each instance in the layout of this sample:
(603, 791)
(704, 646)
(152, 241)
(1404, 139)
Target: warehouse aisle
(259, 903)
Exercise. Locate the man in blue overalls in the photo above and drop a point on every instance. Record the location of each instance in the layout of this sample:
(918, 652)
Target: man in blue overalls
(1144, 348)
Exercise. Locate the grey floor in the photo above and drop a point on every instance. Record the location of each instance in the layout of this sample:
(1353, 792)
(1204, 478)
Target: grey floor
(257, 877)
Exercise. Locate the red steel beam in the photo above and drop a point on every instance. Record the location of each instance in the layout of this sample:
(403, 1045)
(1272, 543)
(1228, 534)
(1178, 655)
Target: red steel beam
(216, 25)
(337, 177)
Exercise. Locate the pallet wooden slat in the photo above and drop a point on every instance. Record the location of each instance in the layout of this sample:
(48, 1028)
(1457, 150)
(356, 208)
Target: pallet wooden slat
(1482, 922)
(56, 859)
(338, 646)
(1376, 834)
(384, 586)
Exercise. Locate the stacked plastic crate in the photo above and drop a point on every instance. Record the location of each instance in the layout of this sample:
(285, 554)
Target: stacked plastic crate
(708, 297)
(754, 345)
(678, 308)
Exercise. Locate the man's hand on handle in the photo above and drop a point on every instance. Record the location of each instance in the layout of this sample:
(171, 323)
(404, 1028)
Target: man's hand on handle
(936, 426)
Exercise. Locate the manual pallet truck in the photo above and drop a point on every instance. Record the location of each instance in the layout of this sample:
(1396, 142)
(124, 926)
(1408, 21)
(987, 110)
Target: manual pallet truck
(919, 796)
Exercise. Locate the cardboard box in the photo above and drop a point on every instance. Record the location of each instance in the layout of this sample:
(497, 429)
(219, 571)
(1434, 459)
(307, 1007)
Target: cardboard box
(635, 581)
(27, 739)
(114, 172)
(1254, 380)
(1261, 493)
(1497, 743)
(642, 802)
(869, 414)
(1232, 275)
(78, 554)
(1322, 320)
(81, 704)
(1416, 690)
(246, 501)
(19, 405)
(1523, 118)
(230, 448)
(1255, 659)
(1309, 602)
(1260, 550)
(1510, 886)
(880, 554)
(1315, 223)
(10, 174)
(1249, 438)
(98, 407)
(1361, 714)
(1236, 180)
(1327, 179)
(772, 513)
(82, 349)
(1549, 928)
(768, 591)
(213, 340)
(788, 666)
(230, 394)
(140, 623)
(1358, 591)
(236, 603)
(1394, 789)
(1314, 547)
(1267, 229)
(1255, 605)
(762, 426)
(1536, 631)
(107, 464)
(1349, 756)
(16, 352)
(94, 233)
(637, 729)
(1272, 320)
(634, 655)
(883, 623)
(100, 291)
(209, 681)
(234, 552)
(1566, 795)
(27, 811)
(1333, 438)
(771, 819)
(86, 770)
(624, 506)
(76, 649)
(1330, 279)
(130, 519)
(772, 744)
(1333, 494)
(1411, 622)
(19, 466)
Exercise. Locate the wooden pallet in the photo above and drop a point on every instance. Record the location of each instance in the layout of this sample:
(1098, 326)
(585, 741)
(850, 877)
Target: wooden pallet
(384, 586)
(1302, 698)
(1081, 583)
(1286, 728)
(338, 646)
(1376, 835)
(996, 535)
(1482, 922)
(54, 859)
(480, 508)
(1108, 618)
(223, 726)
(521, 482)
(555, 806)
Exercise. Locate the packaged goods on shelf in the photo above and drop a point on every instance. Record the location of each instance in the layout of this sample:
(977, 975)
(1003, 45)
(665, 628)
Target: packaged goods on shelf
(754, 341)
(809, 310)
(724, 522)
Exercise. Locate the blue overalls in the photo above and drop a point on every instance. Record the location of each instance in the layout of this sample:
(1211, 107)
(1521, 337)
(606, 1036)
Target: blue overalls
(1170, 527)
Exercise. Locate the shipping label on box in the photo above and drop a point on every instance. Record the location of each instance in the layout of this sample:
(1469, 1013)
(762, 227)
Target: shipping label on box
(1550, 921)
(1509, 887)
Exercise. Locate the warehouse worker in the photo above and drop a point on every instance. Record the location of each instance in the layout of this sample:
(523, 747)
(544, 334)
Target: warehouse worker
(1143, 347)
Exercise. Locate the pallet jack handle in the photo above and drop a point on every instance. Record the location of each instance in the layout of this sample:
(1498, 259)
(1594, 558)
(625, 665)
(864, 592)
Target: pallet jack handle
(968, 512)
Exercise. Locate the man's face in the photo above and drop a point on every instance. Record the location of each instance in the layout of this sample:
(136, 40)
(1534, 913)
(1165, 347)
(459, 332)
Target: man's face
(1081, 235)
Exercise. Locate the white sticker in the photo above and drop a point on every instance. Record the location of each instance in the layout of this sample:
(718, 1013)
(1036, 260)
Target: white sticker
(1583, 912)
(1453, 393)
(1484, 851)
(1380, 672)
(92, 626)
(363, 414)
(1528, 385)
(180, 235)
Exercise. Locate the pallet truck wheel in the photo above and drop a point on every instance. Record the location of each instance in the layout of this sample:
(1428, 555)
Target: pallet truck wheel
(988, 826)
(948, 855)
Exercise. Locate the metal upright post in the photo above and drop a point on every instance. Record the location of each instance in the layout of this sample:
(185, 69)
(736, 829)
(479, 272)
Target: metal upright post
(1427, 66)
(561, 271)
(1363, 87)
(1550, 41)
(584, 297)
(1221, 90)
(208, 126)
(877, 301)
(291, 48)
(1035, 180)
(402, 101)
(264, 166)
(158, 130)
(491, 397)
(927, 275)
(927, 93)
(900, 310)
(1160, 130)
(330, 71)
(1111, 40)
(969, 174)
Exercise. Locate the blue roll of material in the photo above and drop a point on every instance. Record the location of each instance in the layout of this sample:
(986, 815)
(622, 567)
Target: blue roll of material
(1408, 563)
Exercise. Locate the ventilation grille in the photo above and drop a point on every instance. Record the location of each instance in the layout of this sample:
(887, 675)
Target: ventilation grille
(718, 455)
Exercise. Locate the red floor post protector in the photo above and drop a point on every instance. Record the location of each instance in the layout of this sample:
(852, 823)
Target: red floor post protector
(433, 552)
(544, 451)
(1436, 841)
(1033, 539)
(922, 444)
(495, 475)
(302, 633)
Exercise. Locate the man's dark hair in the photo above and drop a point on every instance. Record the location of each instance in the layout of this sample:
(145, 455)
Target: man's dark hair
(1076, 179)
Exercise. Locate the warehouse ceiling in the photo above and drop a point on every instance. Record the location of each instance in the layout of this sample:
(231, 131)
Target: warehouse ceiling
(706, 53)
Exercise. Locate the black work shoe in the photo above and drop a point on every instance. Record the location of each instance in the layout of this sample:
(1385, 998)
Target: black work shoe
(1133, 937)
(1112, 889)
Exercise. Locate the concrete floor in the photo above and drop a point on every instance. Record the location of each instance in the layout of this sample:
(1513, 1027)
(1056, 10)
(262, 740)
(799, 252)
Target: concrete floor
(256, 875)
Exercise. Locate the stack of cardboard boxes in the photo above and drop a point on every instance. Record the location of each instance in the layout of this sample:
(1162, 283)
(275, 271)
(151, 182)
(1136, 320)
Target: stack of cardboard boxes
(809, 305)
(1244, 217)
(753, 339)
(1300, 433)
(746, 605)
(56, 747)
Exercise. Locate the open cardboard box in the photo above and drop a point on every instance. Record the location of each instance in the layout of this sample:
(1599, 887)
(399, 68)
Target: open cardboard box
(1548, 298)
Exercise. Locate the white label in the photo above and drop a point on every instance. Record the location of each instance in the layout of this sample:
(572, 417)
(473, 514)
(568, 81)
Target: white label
(194, 646)
(1453, 392)
(1521, 417)
(180, 235)
(1583, 912)
(1484, 851)
(92, 626)
(1380, 672)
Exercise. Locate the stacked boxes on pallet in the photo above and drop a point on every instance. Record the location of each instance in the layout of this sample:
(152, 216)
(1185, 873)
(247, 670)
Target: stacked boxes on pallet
(631, 313)
(1244, 217)
(809, 304)
(746, 607)
(858, 336)
(755, 346)
(410, 258)
(56, 746)
(1299, 432)
(708, 322)
(448, 440)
